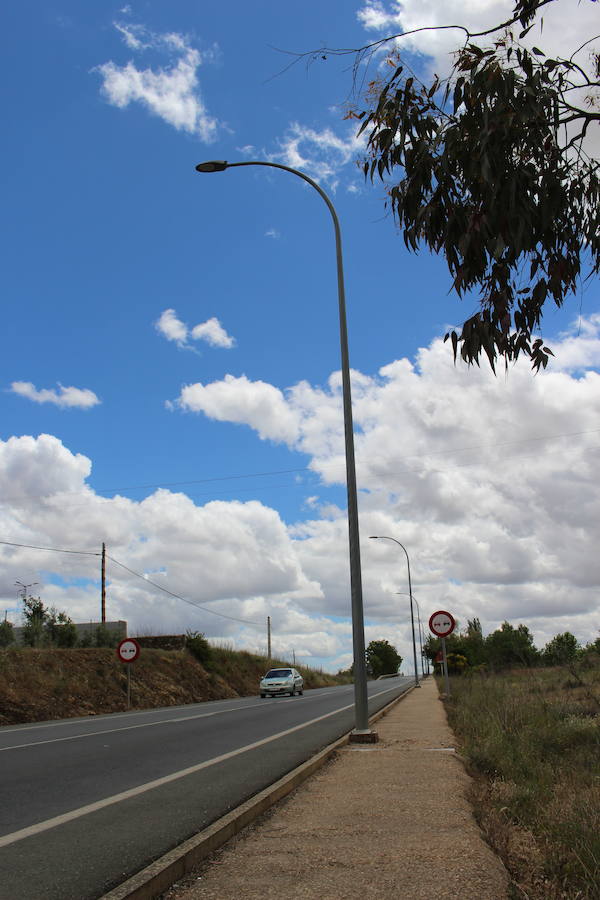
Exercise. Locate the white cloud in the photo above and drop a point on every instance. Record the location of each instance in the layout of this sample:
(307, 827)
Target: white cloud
(171, 93)
(211, 331)
(490, 483)
(579, 349)
(254, 403)
(69, 397)
(133, 35)
(272, 233)
(321, 154)
(236, 558)
(172, 328)
(566, 25)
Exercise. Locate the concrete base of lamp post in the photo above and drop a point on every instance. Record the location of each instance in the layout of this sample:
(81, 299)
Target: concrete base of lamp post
(364, 737)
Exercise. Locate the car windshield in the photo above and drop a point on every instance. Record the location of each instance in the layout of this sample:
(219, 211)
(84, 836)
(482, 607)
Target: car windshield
(279, 673)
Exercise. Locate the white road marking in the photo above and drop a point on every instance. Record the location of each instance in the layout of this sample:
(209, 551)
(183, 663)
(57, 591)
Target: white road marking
(89, 734)
(6, 729)
(46, 825)
(91, 720)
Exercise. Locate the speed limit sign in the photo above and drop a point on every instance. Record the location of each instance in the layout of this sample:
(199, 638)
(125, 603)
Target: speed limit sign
(441, 623)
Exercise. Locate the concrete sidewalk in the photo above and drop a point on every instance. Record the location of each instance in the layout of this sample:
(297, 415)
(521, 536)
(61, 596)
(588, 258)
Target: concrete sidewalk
(388, 821)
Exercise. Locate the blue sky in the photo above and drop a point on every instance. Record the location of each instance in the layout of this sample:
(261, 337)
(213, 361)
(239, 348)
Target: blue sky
(175, 338)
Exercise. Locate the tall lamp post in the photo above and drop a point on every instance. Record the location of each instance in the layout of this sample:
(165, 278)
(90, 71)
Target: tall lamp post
(403, 594)
(362, 732)
(384, 537)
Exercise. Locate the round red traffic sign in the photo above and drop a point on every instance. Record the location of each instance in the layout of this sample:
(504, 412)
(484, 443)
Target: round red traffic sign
(442, 623)
(128, 650)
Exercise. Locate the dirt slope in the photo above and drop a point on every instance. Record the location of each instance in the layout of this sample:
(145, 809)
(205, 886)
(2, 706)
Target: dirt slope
(52, 684)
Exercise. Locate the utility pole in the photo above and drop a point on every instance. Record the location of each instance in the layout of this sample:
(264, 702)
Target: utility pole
(103, 585)
(294, 655)
(268, 637)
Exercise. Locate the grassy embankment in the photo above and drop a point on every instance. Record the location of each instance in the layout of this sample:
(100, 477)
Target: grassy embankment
(532, 741)
(51, 684)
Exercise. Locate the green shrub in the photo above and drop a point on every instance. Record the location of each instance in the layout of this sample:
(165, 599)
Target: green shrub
(199, 647)
(7, 633)
(104, 637)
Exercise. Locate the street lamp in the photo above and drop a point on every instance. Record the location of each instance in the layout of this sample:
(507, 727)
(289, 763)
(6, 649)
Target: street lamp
(383, 537)
(23, 587)
(404, 594)
(362, 732)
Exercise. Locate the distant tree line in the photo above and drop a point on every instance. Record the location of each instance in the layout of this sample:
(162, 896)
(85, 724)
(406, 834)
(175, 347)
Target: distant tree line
(381, 658)
(47, 627)
(506, 647)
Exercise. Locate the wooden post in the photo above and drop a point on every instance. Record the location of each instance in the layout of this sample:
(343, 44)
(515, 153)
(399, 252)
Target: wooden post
(103, 586)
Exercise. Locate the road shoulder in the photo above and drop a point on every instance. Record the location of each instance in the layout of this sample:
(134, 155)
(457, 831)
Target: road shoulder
(381, 821)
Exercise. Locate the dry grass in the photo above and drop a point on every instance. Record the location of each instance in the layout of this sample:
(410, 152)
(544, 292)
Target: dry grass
(51, 684)
(532, 738)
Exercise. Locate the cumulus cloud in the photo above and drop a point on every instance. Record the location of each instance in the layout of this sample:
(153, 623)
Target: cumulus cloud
(490, 483)
(172, 92)
(319, 153)
(172, 328)
(565, 26)
(234, 558)
(66, 397)
(211, 331)
(254, 403)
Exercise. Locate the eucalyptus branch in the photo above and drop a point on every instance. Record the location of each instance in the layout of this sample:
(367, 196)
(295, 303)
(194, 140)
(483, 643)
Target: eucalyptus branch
(369, 49)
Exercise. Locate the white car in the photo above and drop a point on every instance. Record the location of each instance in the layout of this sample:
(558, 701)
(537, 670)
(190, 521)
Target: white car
(281, 681)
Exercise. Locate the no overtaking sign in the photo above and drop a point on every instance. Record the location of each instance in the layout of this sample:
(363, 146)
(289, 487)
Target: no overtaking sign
(441, 623)
(128, 650)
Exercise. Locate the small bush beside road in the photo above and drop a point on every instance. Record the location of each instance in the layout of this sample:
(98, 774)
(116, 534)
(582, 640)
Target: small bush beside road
(532, 740)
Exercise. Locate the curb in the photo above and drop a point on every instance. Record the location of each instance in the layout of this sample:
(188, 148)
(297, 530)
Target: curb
(160, 875)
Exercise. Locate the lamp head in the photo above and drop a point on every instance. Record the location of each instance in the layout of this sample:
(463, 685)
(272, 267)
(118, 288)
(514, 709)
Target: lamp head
(213, 165)
(373, 537)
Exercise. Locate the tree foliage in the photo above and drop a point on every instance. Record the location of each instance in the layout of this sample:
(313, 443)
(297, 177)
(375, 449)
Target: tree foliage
(488, 167)
(7, 633)
(382, 659)
(501, 649)
(46, 626)
(561, 650)
(509, 646)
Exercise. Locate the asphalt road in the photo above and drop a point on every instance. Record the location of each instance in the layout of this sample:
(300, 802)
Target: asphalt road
(85, 803)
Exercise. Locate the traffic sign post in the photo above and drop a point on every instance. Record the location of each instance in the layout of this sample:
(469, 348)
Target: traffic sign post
(128, 650)
(442, 623)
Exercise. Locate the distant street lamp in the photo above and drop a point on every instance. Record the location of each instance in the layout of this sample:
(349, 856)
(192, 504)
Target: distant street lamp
(404, 594)
(362, 732)
(23, 587)
(384, 537)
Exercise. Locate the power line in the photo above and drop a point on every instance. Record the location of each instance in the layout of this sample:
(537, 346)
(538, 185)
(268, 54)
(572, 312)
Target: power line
(51, 549)
(179, 597)
(138, 575)
(166, 484)
(418, 456)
